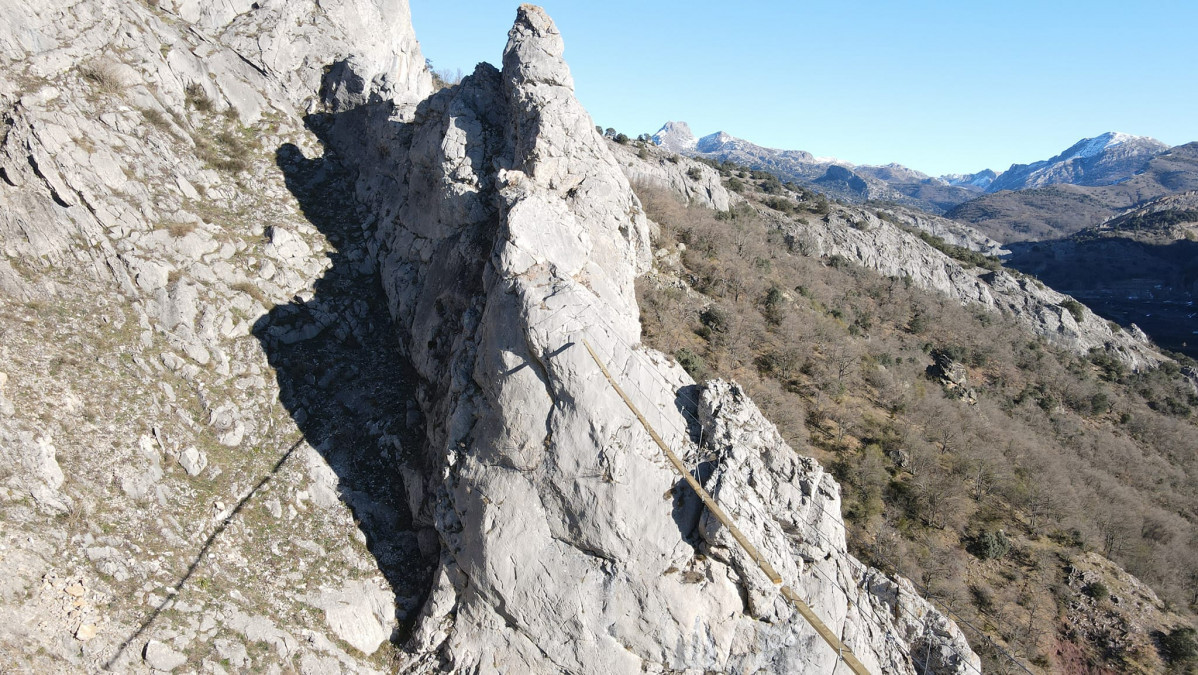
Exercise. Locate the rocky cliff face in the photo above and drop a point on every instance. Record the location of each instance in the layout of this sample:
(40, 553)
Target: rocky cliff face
(888, 241)
(509, 237)
(859, 236)
(188, 476)
(694, 181)
(1138, 268)
(213, 456)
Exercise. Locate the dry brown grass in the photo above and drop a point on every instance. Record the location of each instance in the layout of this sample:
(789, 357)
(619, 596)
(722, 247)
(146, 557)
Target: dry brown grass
(198, 98)
(253, 291)
(104, 76)
(179, 230)
(155, 118)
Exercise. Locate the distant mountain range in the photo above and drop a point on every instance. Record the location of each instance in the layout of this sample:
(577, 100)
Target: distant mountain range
(1103, 160)
(1111, 220)
(1082, 186)
(981, 180)
(1103, 191)
(838, 178)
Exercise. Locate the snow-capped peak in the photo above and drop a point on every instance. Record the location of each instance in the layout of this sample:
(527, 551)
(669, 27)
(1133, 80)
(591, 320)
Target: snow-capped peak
(1094, 146)
(981, 179)
(836, 161)
(675, 137)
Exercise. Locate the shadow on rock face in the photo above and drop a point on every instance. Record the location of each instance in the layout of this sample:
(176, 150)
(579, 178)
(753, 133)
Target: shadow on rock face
(1125, 280)
(688, 508)
(346, 385)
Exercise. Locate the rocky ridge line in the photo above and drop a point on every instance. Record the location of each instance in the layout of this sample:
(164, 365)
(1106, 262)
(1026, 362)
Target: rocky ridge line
(884, 240)
(863, 238)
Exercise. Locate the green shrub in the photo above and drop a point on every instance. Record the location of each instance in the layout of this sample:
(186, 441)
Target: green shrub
(771, 185)
(715, 318)
(983, 599)
(1179, 647)
(1075, 308)
(773, 306)
(918, 322)
(780, 204)
(838, 261)
(694, 173)
(1111, 368)
(1160, 219)
(990, 545)
(1097, 590)
(958, 253)
(692, 363)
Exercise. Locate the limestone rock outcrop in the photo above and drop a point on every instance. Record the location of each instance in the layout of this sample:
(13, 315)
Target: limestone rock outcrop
(174, 320)
(215, 461)
(791, 506)
(694, 181)
(509, 239)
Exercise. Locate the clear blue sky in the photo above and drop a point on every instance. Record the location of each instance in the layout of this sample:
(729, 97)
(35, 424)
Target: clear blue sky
(952, 86)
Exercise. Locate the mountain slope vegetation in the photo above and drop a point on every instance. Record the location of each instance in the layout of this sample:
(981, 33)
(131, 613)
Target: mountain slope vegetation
(998, 472)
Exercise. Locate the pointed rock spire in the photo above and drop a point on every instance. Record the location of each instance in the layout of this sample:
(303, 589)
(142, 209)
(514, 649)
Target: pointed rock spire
(534, 50)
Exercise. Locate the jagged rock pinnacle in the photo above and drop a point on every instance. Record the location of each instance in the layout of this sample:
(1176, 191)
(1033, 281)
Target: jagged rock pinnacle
(517, 237)
(534, 50)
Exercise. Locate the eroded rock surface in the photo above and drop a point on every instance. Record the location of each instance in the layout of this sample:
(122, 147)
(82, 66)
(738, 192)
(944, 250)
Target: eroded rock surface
(200, 427)
(862, 238)
(694, 181)
(215, 459)
(509, 237)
